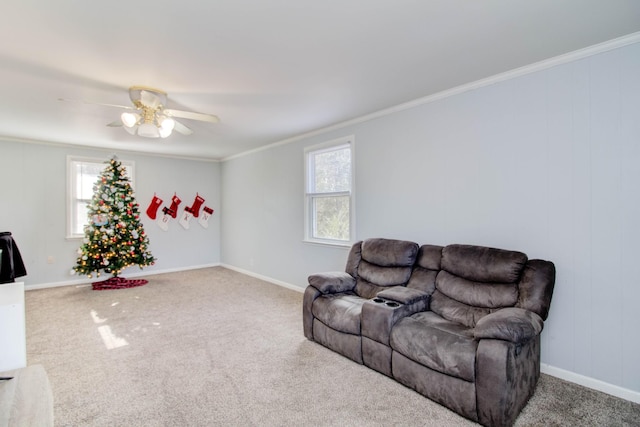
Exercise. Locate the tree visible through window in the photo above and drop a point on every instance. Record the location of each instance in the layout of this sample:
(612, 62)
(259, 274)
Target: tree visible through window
(329, 192)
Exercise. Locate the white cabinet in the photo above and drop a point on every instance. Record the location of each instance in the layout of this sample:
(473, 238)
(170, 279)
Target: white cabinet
(13, 342)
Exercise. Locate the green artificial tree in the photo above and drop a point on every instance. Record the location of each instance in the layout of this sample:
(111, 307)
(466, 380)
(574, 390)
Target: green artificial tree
(114, 236)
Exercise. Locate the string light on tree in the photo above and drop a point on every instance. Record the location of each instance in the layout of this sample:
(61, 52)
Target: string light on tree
(114, 236)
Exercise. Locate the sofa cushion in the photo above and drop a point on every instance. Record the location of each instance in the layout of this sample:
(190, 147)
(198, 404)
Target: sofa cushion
(384, 263)
(353, 259)
(482, 264)
(340, 312)
(436, 343)
(455, 311)
(477, 294)
(429, 257)
(423, 280)
(389, 252)
(383, 275)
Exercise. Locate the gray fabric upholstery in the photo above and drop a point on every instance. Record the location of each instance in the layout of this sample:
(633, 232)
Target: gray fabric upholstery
(332, 282)
(454, 393)
(459, 324)
(376, 356)
(367, 290)
(483, 264)
(380, 315)
(346, 344)
(384, 262)
(536, 287)
(340, 312)
(429, 257)
(425, 270)
(333, 310)
(353, 259)
(436, 343)
(403, 295)
(477, 294)
(510, 324)
(507, 375)
(383, 275)
(455, 311)
(389, 252)
(310, 295)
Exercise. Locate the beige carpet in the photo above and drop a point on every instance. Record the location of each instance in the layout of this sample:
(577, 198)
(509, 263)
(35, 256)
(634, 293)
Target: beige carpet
(215, 347)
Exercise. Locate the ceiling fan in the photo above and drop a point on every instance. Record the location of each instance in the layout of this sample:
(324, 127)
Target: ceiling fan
(149, 117)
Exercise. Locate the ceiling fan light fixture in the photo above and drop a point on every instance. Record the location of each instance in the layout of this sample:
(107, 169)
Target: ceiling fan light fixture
(149, 130)
(129, 120)
(167, 124)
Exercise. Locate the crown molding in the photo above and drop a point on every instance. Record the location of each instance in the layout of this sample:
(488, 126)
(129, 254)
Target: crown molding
(507, 75)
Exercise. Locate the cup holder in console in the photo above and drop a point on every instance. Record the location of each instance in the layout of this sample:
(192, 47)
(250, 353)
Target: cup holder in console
(391, 304)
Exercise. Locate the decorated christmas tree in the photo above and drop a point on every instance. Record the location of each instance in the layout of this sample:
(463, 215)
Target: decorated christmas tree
(114, 236)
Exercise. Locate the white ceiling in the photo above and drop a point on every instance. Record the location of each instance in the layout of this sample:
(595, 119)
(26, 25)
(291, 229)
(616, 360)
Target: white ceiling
(271, 70)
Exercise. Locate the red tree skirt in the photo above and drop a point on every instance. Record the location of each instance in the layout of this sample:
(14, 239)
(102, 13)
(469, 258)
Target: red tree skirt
(118, 283)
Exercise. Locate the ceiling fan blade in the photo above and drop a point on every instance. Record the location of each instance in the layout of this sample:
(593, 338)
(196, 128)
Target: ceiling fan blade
(180, 128)
(115, 124)
(191, 115)
(97, 103)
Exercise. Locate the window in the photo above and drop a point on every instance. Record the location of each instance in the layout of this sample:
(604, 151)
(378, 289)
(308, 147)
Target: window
(329, 210)
(82, 174)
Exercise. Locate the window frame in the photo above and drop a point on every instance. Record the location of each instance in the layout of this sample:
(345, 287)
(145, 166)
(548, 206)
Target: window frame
(309, 197)
(72, 197)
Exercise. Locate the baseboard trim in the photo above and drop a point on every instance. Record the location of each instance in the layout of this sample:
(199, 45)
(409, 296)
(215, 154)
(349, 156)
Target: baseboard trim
(265, 278)
(592, 383)
(86, 281)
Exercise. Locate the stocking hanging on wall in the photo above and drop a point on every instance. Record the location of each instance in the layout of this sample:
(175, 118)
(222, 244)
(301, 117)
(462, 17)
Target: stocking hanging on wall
(185, 218)
(195, 207)
(163, 221)
(175, 201)
(206, 214)
(153, 206)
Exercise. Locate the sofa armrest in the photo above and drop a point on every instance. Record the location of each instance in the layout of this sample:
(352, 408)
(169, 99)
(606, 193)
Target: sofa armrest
(511, 324)
(332, 282)
(403, 295)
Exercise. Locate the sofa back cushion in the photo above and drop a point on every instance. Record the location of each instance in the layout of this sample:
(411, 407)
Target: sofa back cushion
(475, 281)
(482, 264)
(426, 268)
(384, 263)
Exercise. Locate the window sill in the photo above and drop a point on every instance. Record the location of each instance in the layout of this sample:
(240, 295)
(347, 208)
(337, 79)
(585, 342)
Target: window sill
(342, 245)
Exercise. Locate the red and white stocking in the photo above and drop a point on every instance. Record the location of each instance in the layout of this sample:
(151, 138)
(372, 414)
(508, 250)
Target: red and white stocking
(195, 208)
(185, 217)
(175, 201)
(153, 207)
(163, 221)
(206, 214)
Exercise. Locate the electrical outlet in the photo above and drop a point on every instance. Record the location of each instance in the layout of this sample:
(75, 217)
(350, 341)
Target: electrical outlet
(50, 259)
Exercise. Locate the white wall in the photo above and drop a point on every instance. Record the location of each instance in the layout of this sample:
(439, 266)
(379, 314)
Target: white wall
(546, 163)
(33, 207)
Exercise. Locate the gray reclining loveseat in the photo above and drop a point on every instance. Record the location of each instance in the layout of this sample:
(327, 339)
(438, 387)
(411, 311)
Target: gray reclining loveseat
(460, 324)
